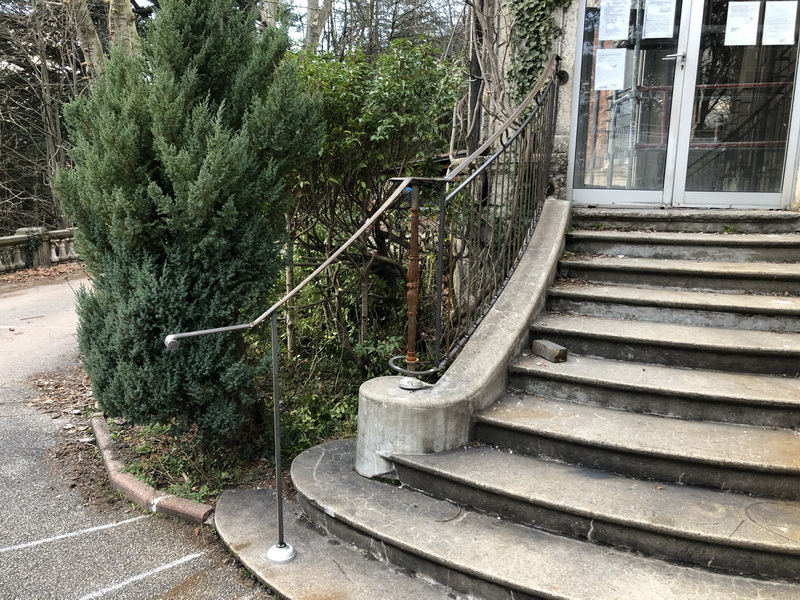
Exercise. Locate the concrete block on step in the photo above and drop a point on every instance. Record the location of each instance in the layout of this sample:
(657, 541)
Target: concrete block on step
(549, 350)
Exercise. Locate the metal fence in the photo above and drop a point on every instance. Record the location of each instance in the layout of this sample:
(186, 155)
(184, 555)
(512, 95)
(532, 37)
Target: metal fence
(469, 229)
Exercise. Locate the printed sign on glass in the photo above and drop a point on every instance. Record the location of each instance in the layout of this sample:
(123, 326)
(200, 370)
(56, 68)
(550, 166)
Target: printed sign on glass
(609, 69)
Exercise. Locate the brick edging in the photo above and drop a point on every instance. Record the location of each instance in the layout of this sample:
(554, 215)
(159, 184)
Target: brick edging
(147, 496)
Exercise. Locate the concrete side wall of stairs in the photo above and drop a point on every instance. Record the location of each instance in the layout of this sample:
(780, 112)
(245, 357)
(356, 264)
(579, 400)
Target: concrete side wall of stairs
(439, 417)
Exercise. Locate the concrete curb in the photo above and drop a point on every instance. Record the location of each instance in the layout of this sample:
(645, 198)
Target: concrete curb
(136, 491)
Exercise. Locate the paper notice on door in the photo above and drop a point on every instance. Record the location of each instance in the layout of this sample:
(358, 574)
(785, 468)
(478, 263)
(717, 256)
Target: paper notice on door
(779, 23)
(614, 18)
(742, 26)
(659, 18)
(609, 67)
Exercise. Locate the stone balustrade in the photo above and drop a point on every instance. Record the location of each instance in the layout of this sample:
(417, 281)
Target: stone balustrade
(36, 247)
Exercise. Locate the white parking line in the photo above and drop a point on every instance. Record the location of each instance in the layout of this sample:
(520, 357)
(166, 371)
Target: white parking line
(135, 578)
(69, 535)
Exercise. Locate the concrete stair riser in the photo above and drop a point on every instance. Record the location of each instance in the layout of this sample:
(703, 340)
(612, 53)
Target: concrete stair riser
(592, 528)
(594, 224)
(491, 558)
(687, 220)
(647, 402)
(412, 560)
(644, 249)
(687, 246)
(642, 466)
(745, 360)
(670, 314)
(679, 280)
(737, 388)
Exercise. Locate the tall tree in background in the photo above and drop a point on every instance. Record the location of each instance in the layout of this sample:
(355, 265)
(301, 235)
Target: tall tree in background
(100, 31)
(345, 26)
(50, 52)
(39, 71)
(178, 186)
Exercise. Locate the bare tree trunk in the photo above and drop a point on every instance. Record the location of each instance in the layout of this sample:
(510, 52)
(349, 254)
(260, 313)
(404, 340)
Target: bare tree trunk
(88, 39)
(475, 81)
(364, 329)
(122, 27)
(291, 338)
(344, 340)
(317, 17)
(268, 13)
(50, 111)
(313, 26)
(372, 20)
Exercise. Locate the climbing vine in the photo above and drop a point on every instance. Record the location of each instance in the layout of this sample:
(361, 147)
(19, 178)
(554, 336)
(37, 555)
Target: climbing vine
(533, 30)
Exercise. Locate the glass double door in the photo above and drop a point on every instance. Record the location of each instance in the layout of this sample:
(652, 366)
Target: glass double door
(686, 103)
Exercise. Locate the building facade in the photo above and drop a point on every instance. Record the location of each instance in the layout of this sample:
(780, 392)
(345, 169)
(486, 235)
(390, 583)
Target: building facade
(681, 103)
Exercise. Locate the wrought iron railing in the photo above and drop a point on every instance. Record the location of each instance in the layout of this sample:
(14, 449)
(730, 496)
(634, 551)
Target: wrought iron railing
(484, 214)
(487, 209)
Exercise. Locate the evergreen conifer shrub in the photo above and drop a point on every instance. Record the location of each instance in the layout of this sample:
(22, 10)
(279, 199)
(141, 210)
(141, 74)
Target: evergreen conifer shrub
(178, 189)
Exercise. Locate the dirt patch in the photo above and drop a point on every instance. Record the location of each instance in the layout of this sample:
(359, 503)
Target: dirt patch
(66, 396)
(42, 276)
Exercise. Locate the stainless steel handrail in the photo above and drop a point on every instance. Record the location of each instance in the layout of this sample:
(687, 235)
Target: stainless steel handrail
(282, 552)
(172, 340)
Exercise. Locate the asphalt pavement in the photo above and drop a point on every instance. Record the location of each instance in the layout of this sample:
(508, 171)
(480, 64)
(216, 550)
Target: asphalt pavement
(53, 546)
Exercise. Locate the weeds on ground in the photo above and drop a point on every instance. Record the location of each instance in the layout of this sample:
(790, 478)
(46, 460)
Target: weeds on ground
(316, 405)
(182, 466)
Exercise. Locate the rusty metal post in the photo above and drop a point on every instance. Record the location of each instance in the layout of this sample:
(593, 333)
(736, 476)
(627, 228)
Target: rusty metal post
(413, 285)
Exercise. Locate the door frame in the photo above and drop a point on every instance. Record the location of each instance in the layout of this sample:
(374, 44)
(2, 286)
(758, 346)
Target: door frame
(673, 194)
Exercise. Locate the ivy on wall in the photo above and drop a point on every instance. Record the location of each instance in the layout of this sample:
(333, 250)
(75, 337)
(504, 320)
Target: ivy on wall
(533, 29)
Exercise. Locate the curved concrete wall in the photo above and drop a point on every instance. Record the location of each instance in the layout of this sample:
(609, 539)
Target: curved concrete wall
(439, 417)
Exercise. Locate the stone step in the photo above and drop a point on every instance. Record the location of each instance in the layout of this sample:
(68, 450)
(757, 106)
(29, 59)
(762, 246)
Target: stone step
(750, 460)
(688, 246)
(687, 220)
(708, 348)
(690, 525)
(706, 309)
(740, 398)
(324, 567)
(486, 557)
(760, 278)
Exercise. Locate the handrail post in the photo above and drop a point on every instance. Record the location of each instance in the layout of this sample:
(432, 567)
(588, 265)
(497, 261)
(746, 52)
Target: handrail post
(412, 296)
(280, 552)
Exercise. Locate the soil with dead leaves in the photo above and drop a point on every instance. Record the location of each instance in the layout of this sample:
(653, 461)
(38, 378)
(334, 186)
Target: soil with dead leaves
(43, 275)
(66, 396)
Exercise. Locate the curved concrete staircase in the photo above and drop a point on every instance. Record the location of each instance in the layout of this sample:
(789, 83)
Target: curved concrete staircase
(661, 461)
